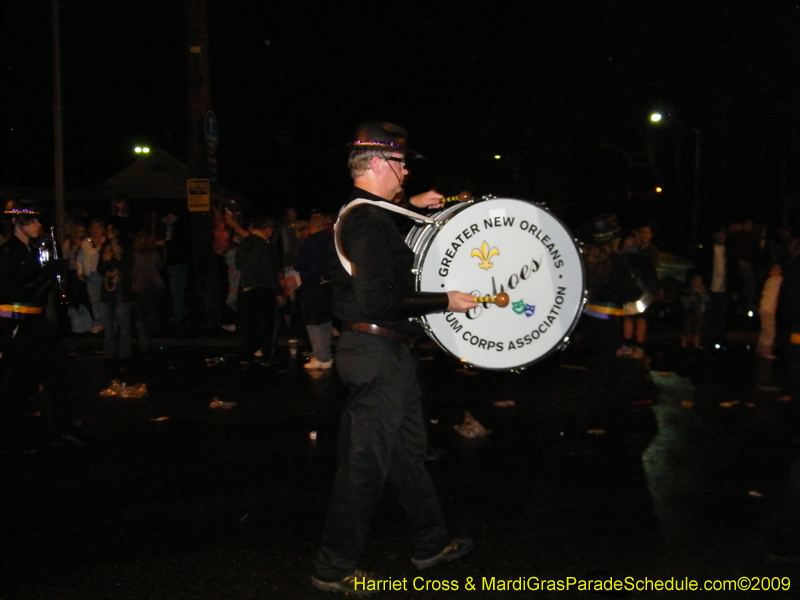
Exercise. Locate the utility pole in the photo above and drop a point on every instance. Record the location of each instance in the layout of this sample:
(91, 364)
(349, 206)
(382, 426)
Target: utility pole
(58, 130)
(199, 99)
(199, 81)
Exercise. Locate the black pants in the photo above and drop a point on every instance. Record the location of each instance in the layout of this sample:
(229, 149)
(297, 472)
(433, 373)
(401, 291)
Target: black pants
(257, 319)
(381, 441)
(30, 358)
(715, 319)
(603, 338)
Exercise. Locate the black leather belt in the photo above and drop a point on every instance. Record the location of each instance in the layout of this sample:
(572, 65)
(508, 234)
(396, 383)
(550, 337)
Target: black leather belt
(397, 336)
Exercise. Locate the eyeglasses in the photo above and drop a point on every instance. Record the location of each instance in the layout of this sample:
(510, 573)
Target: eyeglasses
(402, 161)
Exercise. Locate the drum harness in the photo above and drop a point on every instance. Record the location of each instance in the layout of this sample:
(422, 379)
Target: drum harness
(380, 204)
(369, 327)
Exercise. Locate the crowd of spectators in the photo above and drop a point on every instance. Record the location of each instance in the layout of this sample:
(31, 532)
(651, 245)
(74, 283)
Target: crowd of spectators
(731, 281)
(130, 282)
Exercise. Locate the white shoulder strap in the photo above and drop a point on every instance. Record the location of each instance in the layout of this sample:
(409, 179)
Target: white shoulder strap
(348, 266)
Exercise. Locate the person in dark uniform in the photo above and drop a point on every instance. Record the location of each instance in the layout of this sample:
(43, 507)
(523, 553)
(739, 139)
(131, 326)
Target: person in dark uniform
(610, 284)
(177, 258)
(382, 435)
(716, 264)
(29, 352)
(260, 294)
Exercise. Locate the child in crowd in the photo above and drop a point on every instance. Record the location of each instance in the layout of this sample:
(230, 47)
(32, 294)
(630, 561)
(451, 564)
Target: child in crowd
(766, 312)
(694, 300)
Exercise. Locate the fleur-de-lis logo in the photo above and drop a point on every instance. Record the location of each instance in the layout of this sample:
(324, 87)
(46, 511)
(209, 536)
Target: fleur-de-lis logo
(484, 253)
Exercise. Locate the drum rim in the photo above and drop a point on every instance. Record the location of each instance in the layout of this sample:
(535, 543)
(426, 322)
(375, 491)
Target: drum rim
(450, 211)
(420, 258)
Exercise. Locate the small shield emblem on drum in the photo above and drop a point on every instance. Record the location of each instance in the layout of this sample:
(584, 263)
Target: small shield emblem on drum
(484, 253)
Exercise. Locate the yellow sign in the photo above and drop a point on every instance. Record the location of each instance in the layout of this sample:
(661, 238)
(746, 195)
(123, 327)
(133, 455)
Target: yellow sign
(198, 195)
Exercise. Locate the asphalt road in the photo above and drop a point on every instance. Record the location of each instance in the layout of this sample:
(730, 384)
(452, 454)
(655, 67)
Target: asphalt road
(690, 478)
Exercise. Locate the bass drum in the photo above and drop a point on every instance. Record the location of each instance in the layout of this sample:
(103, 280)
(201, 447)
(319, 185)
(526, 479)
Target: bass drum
(501, 245)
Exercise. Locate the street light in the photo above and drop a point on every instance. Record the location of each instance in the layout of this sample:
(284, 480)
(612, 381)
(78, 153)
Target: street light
(657, 118)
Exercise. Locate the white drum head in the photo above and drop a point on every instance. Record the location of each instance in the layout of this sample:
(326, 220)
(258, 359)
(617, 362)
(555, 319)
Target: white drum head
(511, 246)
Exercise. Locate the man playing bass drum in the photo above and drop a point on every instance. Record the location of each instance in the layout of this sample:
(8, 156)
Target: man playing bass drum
(382, 434)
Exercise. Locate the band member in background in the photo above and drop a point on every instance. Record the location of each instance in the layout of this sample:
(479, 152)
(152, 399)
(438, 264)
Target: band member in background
(610, 285)
(643, 258)
(382, 434)
(30, 356)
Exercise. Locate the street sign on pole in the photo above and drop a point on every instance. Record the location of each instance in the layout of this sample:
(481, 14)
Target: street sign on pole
(198, 195)
(211, 131)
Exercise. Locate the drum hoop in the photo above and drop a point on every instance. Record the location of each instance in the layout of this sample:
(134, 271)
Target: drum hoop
(437, 227)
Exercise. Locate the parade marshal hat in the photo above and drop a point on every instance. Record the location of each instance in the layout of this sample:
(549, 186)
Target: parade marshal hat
(605, 228)
(382, 136)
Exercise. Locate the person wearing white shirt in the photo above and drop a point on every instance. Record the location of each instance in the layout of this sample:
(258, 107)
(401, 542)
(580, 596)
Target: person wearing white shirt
(87, 260)
(766, 312)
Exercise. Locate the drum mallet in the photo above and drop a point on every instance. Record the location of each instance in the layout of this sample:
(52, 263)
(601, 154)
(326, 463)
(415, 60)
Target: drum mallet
(500, 300)
(462, 197)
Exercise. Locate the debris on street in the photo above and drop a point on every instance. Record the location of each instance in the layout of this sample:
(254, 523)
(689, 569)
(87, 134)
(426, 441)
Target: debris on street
(504, 403)
(217, 403)
(471, 427)
(123, 390)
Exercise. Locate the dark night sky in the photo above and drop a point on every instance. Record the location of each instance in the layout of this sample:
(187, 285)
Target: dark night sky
(561, 89)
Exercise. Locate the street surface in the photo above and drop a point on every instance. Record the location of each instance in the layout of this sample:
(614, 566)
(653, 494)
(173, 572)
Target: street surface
(212, 486)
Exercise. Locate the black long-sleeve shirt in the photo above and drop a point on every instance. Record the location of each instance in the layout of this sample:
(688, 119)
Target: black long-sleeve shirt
(24, 288)
(22, 279)
(257, 260)
(381, 289)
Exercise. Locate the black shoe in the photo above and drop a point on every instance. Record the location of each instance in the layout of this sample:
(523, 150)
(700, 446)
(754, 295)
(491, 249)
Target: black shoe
(457, 548)
(354, 584)
(68, 440)
(272, 363)
(250, 362)
(434, 454)
(20, 452)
